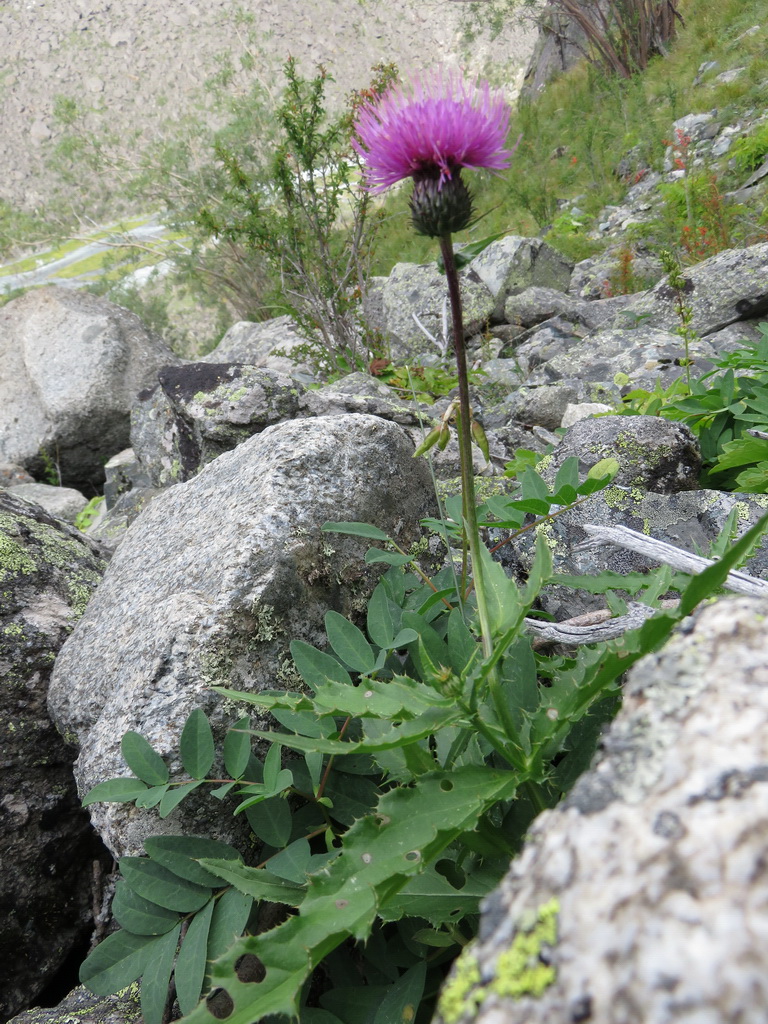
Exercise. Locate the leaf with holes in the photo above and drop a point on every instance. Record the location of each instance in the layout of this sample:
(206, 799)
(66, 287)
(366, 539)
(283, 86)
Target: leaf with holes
(410, 829)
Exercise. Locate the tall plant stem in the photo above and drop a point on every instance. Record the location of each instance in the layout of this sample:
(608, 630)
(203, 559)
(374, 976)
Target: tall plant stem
(465, 443)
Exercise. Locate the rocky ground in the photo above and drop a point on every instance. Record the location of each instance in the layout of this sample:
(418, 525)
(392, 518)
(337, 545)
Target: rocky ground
(144, 61)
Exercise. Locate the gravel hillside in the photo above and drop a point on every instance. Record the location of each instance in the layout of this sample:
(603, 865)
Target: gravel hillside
(145, 61)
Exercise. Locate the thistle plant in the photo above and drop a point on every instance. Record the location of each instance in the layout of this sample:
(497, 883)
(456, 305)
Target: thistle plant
(430, 130)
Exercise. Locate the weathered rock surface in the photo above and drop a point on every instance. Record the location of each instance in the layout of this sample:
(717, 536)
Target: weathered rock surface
(691, 520)
(655, 862)
(258, 344)
(516, 263)
(654, 454)
(63, 502)
(47, 574)
(214, 580)
(73, 363)
(85, 1008)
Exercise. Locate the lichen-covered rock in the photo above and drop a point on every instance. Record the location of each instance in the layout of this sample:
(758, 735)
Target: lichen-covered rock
(211, 584)
(653, 453)
(422, 290)
(200, 410)
(643, 897)
(48, 572)
(63, 502)
(513, 264)
(72, 365)
(82, 1007)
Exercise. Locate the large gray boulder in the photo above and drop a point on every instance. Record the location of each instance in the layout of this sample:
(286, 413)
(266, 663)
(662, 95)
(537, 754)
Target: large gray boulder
(48, 572)
(515, 263)
(422, 290)
(270, 344)
(643, 897)
(72, 365)
(211, 584)
(726, 288)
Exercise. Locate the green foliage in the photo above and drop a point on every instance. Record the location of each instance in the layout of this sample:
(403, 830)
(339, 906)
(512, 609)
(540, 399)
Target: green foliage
(720, 408)
(84, 519)
(417, 765)
(750, 151)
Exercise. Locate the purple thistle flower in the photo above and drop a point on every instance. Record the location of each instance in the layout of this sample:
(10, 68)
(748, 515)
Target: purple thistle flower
(430, 129)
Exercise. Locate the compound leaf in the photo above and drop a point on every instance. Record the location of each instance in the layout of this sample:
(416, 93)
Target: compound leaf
(157, 977)
(237, 747)
(179, 854)
(138, 915)
(349, 643)
(117, 961)
(116, 791)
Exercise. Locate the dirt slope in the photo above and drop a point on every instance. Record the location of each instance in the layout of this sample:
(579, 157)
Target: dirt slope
(146, 60)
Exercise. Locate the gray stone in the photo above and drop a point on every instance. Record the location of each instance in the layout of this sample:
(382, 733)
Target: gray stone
(534, 305)
(653, 453)
(555, 337)
(62, 502)
(73, 363)
(11, 475)
(691, 520)
(422, 290)
(200, 410)
(268, 345)
(655, 862)
(514, 263)
(210, 585)
(48, 572)
(629, 357)
(577, 411)
(85, 1008)
(731, 286)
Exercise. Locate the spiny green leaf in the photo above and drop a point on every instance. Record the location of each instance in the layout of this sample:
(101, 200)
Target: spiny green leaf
(409, 830)
(138, 915)
(179, 854)
(117, 791)
(237, 747)
(143, 759)
(258, 883)
(196, 746)
(349, 643)
(157, 977)
(157, 884)
(190, 964)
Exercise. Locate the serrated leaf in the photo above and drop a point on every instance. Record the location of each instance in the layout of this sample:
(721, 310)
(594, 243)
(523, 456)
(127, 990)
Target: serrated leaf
(270, 820)
(116, 791)
(157, 976)
(349, 643)
(258, 883)
(190, 963)
(356, 530)
(237, 747)
(159, 885)
(411, 827)
(117, 961)
(143, 759)
(402, 1000)
(174, 796)
(196, 746)
(138, 915)
(316, 667)
(179, 854)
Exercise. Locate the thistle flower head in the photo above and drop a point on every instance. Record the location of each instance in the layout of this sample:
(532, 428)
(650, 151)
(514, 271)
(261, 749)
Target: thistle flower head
(430, 129)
